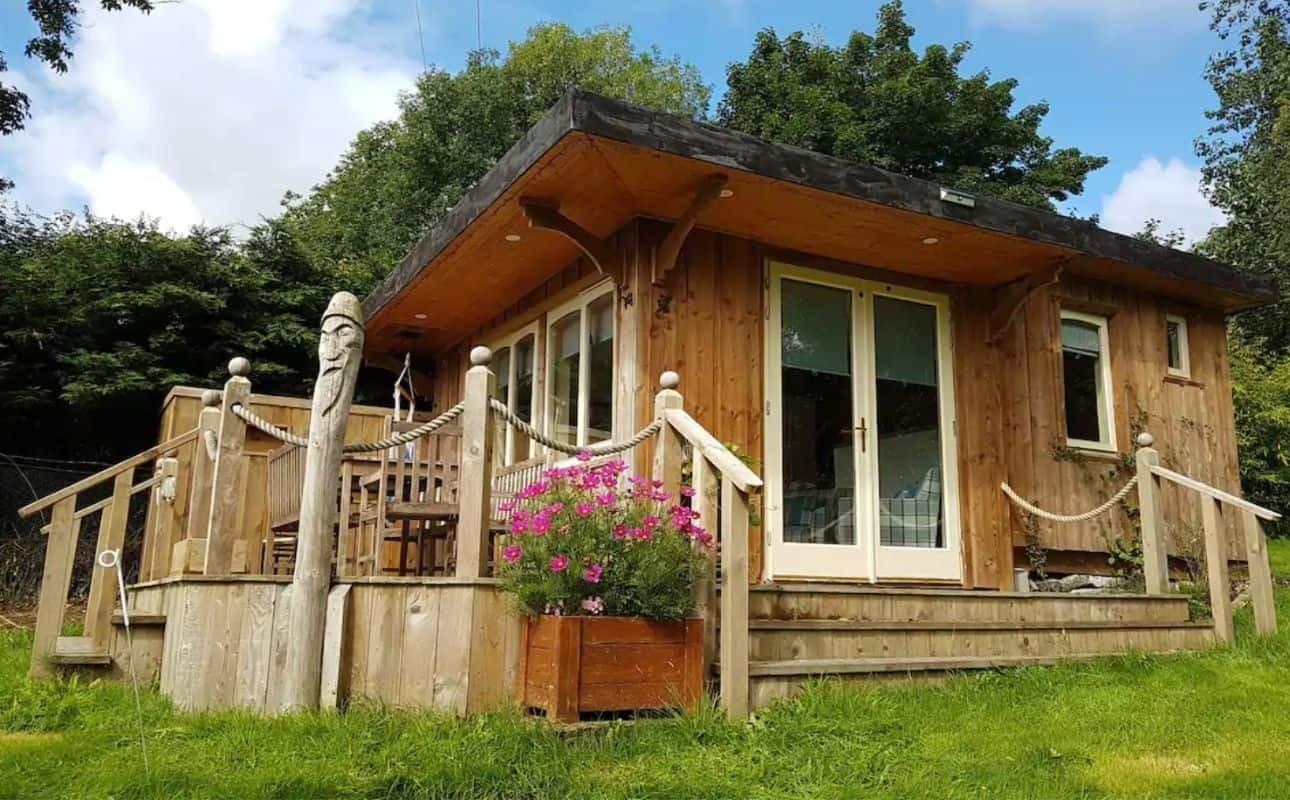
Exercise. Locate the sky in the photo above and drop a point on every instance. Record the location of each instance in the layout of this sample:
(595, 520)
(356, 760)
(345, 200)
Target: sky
(207, 111)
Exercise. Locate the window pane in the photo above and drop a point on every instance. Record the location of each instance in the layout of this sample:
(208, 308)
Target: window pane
(1081, 370)
(525, 349)
(600, 369)
(818, 444)
(563, 393)
(502, 369)
(1173, 345)
(908, 427)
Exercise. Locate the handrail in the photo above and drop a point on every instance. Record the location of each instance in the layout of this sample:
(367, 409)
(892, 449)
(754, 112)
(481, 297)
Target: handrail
(146, 483)
(1218, 494)
(726, 462)
(109, 472)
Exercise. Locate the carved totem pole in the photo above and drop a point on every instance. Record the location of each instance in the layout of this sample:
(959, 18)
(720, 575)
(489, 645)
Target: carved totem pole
(340, 350)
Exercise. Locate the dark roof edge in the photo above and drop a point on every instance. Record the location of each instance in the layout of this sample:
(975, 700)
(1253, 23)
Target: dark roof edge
(613, 119)
(554, 124)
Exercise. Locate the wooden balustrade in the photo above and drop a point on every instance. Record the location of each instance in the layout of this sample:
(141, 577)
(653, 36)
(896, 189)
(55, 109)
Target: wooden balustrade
(1212, 502)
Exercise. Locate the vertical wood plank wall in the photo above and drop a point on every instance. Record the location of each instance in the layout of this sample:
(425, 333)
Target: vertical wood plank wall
(1010, 404)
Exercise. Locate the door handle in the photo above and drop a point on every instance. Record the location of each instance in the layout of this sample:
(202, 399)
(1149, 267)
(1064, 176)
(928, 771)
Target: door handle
(863, 430)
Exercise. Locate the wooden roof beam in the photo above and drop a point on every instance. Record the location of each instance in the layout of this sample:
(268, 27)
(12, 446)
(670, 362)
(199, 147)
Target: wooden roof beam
(1010, 298)
(668, 251)
(546, 216)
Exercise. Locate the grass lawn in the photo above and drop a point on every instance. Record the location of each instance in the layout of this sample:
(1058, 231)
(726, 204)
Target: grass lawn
(1206, 725)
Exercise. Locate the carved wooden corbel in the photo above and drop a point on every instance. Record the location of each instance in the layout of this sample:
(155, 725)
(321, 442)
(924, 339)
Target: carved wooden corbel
(670, 248)
(546, 216)
(1010, 298)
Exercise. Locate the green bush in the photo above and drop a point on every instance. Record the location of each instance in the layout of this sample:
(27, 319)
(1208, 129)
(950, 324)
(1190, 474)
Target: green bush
(1261, 393)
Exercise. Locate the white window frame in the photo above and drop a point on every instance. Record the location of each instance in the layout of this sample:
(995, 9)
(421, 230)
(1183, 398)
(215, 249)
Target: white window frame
(578, 303)
(508, 342)
(1105, 399)
(1184, 347)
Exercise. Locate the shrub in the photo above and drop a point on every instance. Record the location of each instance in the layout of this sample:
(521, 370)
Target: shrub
(596, 541)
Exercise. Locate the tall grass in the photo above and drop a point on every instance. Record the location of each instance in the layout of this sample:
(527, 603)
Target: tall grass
(1201, 725)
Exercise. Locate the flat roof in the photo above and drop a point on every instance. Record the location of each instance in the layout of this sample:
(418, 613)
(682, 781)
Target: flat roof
(605, 161)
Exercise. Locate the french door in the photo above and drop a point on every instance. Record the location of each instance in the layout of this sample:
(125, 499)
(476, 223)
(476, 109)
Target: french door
(860, 453)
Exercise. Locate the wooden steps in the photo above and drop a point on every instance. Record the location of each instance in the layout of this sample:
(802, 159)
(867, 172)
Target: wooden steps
(139, 620)
(78, 651)
(802, 631)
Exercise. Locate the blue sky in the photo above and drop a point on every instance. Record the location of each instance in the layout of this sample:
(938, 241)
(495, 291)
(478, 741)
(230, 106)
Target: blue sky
(210, 109)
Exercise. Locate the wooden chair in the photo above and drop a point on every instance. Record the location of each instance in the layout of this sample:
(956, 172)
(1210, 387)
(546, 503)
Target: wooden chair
(408, 505)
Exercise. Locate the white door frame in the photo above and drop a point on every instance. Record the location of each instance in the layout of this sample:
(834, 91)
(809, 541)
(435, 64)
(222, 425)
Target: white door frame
(867, 560)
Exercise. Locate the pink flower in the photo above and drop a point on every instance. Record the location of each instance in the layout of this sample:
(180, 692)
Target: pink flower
(593, 605)
(593, 573)
(506, 507)
(642, 534)
(703, 536)
(519, 526)
(585, 509)
(534, 490)
(559, 563)
(650, 522)
(688, 491)
(584, 455)
(554, 508)
(512, 553)
(659, 496)
(620, 532)
(541, 525)
(606, 499)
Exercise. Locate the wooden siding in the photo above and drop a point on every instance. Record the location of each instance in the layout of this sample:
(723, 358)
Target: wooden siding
(708, 324)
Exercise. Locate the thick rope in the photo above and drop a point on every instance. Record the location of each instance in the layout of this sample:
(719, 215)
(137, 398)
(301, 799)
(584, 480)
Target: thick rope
(260, 423)
(1087, 515)
(212, 444)
(603, 448)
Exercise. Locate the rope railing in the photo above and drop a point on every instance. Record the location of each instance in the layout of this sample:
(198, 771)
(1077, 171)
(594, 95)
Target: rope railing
(1030, 508)
(603, 448)
(261, 424)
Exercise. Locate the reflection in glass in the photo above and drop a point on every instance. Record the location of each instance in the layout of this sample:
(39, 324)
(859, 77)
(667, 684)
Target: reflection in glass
(600, 369)
(564, 343)
(818, 443)
(1081, 366)
(525, 351)
(907, 427)
(502, 369)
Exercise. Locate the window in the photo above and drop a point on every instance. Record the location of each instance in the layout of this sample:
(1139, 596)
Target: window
(580, 372)
(514, 364)
(1086, 376)
(1179, 358)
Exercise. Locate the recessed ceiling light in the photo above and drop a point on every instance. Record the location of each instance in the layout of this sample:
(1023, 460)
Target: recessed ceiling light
(931, 240)
(421, 316)
(727, 193)
(512, 237)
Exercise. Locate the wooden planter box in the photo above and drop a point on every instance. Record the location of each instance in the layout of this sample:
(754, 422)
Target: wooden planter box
(569, 665)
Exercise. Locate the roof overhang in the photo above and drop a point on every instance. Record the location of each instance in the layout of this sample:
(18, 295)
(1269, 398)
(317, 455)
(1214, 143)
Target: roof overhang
(604, 162)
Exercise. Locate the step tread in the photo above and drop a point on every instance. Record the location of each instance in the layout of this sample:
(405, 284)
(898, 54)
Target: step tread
(139, 619)
(80, 658)
(841, 666)
(923, 591)
(810, 624)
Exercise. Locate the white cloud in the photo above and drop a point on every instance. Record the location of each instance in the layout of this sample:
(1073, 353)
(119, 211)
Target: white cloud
(1169, 192)
(205, 110)
(1112, 15)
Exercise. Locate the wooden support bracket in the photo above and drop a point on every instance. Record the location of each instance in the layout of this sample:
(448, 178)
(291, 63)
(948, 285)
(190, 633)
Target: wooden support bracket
(546, 216)
(670, 248)
(1010, 298)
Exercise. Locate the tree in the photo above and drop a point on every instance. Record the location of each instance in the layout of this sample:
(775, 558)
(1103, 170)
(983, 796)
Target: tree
(399, 177)
(1247, 155)
(876, 101)
(57, 22)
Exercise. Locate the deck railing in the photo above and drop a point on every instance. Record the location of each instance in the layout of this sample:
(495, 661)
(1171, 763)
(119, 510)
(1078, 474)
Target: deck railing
(1213, 504)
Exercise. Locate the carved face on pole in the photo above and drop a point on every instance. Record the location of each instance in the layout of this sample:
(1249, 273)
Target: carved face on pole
(341, 343)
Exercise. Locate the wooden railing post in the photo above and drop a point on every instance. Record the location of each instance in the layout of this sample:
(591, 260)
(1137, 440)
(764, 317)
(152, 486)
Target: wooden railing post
(1256, 556)
(704, 502)
(103, 591)
(476, 479)
(221, 524)
(1155, 552)
(340, 352)
(734, 600)
(667, 446)
(60, 550)
(1220, 602)
(199, 494)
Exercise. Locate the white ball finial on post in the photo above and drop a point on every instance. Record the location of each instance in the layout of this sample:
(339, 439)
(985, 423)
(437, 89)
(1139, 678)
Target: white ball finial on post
(240, 367)
(1145, 439)
(669, 380)
(480, 356)
(211, 398)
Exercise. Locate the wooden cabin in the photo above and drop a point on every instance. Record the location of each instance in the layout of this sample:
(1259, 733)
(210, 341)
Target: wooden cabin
(892, 357)
(885, 349)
